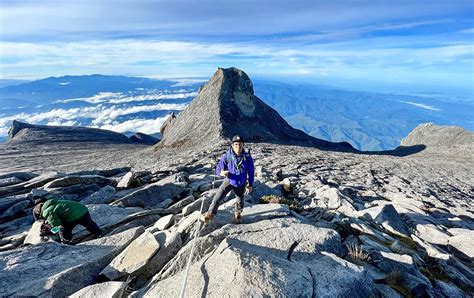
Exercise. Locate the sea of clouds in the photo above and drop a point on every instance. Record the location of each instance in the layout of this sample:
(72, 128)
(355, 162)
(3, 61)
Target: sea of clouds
(142, 110)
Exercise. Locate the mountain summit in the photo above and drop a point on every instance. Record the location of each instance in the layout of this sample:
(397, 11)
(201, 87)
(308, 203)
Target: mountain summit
(226, 106)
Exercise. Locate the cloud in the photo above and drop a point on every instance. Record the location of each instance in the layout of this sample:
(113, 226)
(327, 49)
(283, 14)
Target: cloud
(467, 31)
(116, 98)
(60, 122)
(422, 106)
(382, 40)
(126, 54)
(187, 82)
(102, 116)
(148, 126)
(89, 19)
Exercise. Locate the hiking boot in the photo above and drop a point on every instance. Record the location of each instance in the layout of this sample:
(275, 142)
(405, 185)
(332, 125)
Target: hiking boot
(238, 217)
(207, 217)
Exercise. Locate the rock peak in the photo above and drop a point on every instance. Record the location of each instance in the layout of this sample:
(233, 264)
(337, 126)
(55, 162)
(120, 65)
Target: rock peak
(226, 106)
(433, 135)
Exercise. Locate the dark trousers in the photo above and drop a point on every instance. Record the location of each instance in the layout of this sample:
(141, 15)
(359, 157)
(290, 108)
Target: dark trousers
(224, 189)
(85, 221)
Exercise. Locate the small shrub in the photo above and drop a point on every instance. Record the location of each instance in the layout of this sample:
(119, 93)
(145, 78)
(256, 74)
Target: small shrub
(281, 200)
(394, 278)
(357, 253)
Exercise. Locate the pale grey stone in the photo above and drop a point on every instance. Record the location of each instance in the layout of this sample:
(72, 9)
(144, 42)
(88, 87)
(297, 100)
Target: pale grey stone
(188, 222)
(183, 202)
(164, 222)
(16, 209)
(104, 195)
(53, 269)
(112, 289)
(432, 234)
(369, 244)
(462, 243)
(33, 236)
(153, 194)
(125, 181)
(256, 258)
(269, 188)
(196, 205)
(132, 258)
(73, 180)
(389, 219)
(10, 181)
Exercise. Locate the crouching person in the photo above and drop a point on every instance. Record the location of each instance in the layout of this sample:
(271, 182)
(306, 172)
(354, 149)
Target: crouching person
(63, 216)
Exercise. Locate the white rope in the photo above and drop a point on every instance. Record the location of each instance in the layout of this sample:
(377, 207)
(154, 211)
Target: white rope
(196, 234)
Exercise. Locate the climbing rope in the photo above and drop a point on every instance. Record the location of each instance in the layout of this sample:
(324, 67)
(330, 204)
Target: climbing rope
(196, 234)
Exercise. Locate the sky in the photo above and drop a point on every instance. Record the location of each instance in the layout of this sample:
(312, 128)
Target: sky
(406, 45)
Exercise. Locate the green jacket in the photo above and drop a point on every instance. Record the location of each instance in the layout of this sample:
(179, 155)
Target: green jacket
(60, 212)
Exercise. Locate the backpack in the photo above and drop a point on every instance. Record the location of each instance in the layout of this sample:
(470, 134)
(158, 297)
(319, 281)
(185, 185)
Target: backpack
(229, 156)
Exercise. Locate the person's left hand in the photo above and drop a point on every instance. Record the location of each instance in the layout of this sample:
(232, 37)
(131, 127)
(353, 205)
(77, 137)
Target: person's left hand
(249, 189)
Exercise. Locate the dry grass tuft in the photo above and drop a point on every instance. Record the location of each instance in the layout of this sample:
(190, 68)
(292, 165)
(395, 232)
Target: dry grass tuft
(357, 253)
(281, 200)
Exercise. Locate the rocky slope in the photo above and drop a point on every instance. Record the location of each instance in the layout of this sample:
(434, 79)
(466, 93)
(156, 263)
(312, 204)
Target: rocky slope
(319, 223)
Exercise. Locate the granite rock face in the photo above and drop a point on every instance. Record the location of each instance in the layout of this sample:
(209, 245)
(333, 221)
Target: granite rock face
(55, 269)
(330, 223)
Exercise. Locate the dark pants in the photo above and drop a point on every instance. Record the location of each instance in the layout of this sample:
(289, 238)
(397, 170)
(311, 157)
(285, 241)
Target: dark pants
(85, 221)
(224, 189)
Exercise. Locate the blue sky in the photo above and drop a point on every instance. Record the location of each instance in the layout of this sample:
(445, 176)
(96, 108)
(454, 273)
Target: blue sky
(396, 45)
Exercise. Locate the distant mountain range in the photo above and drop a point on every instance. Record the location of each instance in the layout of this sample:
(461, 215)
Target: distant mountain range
(369, 121)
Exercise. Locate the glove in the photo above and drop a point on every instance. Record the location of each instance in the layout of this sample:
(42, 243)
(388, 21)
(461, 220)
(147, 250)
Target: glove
(45, 229)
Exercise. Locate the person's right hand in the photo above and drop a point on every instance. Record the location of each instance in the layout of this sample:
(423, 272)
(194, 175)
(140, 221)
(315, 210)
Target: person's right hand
(224, 173)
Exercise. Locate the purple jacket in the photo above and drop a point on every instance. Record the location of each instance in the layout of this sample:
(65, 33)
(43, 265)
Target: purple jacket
(238, 166)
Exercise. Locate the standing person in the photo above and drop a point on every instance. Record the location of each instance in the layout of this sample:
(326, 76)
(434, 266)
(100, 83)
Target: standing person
(238, 168)
(65, 215)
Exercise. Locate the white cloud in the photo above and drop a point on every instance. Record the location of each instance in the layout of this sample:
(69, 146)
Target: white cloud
(187, 82)
(98, 98)
(170, 56)
(4, 130)
(422, 106)
(102, 116)
(83, 19)
(467, 31)
(148, 126)
(60, 122)
(115, 98)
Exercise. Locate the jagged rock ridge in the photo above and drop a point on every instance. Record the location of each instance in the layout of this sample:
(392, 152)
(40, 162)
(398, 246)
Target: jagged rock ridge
(226, 106)
(23, 132)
